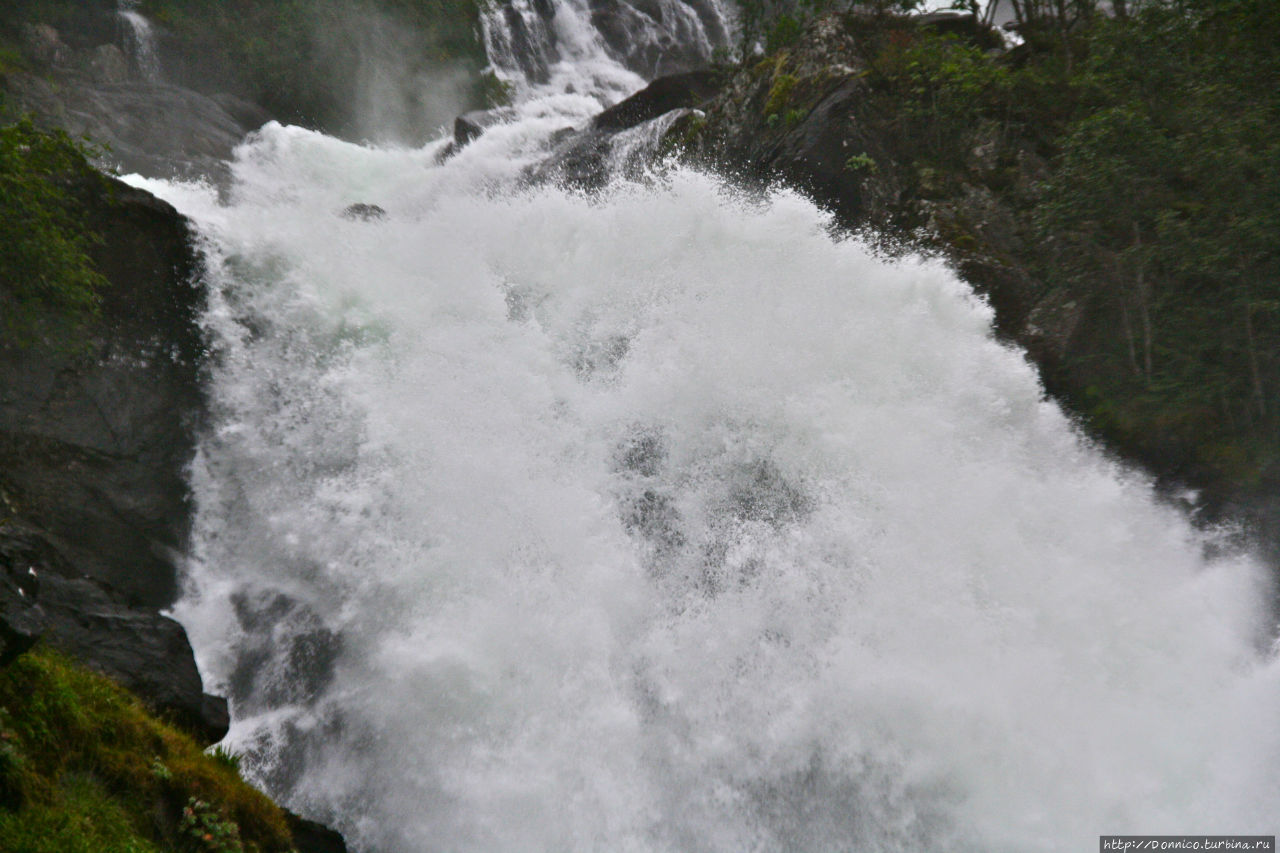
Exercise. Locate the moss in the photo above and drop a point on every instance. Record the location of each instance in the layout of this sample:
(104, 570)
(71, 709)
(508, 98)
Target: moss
(861, 164)
(84, 819)
(85, 767)
(780, 94)
(48, 284)
(11, 59)
(494, 91)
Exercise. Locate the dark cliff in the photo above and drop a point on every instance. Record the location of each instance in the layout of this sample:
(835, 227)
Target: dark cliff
(96, 432)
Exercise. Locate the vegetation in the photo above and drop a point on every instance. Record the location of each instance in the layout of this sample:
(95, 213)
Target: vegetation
(1165, 197)
(48, 285)
(772, 25)
(84, 768)
(1156, 201)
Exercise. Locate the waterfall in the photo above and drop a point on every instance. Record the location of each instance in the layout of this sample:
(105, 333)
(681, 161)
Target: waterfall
(603, 47)
(140, 41)
(671, 519)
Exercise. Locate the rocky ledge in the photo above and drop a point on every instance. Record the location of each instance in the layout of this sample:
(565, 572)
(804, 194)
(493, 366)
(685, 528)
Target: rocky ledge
(95, 438)
(83, 83)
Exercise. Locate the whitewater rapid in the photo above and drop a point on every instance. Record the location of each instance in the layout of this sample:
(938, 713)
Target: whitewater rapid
(671, 519)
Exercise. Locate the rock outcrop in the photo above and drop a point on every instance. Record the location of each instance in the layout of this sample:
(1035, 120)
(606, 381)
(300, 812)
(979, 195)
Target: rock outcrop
(95, 433)
(97, 428)
(153, 129)
(95, 437)
(86, 85)
(663, 95)
(312, 837)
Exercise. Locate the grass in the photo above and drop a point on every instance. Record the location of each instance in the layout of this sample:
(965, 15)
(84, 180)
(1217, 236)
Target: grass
(85, 767)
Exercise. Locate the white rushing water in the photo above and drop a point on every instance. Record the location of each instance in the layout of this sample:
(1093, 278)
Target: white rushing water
(140, 40)
(665, 520)
(601, 46)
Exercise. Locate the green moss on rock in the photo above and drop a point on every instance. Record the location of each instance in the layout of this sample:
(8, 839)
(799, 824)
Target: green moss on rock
(85, 767)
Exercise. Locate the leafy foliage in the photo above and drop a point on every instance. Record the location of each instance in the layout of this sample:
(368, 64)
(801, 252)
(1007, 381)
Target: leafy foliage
(1138, 154)
(942, 87)
(1165, 200)
(771, 25)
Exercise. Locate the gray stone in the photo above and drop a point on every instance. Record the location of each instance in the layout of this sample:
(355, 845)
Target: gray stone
(95, 439)
(154, 129)
(468, 126)
(661, 96)
(43, 44)
(108, 65)
(361, 212)
(43, 598)
(22, 621)
(144, 652)
(311, 837)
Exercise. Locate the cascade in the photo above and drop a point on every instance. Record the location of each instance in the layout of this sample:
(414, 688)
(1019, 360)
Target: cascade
(601, 46)
(669, 519)
(140, 40)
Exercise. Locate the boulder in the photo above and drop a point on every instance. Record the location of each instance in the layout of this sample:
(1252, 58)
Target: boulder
(468, 126)
(96, 433)
(43, 44)
(145, 652)
(579, 160)
(661, 96)
(42, 598)
(22, 621)
(312, 837)
(108, 65)
(362, 212)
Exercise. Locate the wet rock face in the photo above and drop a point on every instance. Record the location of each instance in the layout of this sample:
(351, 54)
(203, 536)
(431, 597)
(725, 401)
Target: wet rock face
(22, 620)
(145, 652)
(43, 598)
(311, 837)
(95, 437)
(364, 212)
(86, 85)
(469, 126)
(659, 37)
(109, 65)
(661, 96)
(150, 128)
(587, 159)
(44, 44)
(810, 118)
(96, 434)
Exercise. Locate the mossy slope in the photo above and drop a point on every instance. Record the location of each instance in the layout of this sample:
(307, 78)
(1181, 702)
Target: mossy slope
(85, 767)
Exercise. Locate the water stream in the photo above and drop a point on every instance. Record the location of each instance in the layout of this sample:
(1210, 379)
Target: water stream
(669, 519)
(140, 41)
